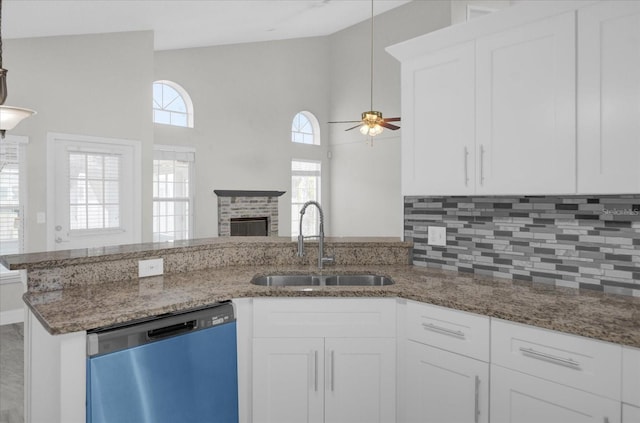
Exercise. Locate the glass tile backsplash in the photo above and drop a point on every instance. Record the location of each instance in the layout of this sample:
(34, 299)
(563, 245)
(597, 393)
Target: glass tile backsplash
(590, 242)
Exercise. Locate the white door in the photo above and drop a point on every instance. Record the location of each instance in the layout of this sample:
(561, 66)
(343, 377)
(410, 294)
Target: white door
(609, 98)
(520, 398)
(444, 387)
(525, 109)
(288, 383)
(360, 380)
(93, 192)
(438, 141)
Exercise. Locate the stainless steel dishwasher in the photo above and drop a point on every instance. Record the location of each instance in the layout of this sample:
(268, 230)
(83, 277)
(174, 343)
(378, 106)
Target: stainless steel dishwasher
(173, 369)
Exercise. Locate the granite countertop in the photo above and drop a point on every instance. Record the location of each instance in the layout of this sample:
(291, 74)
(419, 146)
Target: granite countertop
(47, 259)
(605, 317)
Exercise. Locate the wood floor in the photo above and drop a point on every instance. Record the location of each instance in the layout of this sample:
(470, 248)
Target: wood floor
(11, 373)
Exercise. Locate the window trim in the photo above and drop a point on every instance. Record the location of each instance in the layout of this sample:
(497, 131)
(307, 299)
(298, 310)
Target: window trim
(315, 125)
(21, 142)
(178, 151)
(187, 102)
(317, 174)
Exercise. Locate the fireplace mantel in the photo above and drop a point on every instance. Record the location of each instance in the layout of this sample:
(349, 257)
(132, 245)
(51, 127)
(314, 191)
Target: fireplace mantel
(241, 193)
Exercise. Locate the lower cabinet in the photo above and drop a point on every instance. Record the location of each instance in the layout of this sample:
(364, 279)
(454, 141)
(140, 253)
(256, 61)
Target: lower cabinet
(630, 414)
(521, 398)
(443, 387)
(330, 380)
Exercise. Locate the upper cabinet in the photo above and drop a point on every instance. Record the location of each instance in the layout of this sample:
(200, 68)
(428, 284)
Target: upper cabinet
(525, 109)
(609, 98)
(491, 107)
(438, 142)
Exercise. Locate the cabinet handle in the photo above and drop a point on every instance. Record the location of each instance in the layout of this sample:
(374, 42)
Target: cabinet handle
(566, 362)
(476, 417)
(481, 164)
(315, 379)
(466, 166)
(332, 370)
(445, 331)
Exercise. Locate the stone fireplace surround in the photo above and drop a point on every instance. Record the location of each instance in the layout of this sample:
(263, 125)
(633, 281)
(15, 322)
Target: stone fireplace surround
(243, 204)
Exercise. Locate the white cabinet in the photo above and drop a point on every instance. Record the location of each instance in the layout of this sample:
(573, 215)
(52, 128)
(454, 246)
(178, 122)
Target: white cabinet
(609, 98)
(443, 378)
(538, 375)
(630, 414)
(631, 376)
(444, 387)
(583, 363)
(494, 114)
(360, 380)
(288, 382)
(438, 140)
(521, 398)
(525, 109)
(345, 372)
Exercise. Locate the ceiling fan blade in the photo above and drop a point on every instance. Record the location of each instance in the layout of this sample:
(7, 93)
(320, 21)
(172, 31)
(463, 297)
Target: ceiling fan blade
(389, 126)
(395, 119)
(354, 127)
(345, 121)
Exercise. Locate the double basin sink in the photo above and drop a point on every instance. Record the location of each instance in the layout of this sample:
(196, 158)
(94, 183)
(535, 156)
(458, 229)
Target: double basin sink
(322, 280)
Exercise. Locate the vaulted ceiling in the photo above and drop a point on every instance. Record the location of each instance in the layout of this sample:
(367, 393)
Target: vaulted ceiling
(188, 23)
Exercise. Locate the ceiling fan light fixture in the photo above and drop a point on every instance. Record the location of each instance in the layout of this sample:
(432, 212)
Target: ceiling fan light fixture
(371, 123)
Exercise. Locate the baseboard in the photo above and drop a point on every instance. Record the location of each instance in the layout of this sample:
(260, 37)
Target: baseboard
(11, 316)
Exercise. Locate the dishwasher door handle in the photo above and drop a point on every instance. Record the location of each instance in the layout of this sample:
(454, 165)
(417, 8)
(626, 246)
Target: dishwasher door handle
(172, 330)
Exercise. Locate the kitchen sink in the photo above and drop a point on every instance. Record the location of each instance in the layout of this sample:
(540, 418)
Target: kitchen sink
(322, 280)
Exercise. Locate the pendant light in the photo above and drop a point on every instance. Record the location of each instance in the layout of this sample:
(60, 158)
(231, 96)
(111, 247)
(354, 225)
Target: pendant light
(9, 116)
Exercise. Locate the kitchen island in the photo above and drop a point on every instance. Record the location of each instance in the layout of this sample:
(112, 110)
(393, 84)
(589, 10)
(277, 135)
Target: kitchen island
(75, 291)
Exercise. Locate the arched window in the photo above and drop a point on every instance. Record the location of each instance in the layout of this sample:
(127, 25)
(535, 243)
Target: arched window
(305, 129)
(172, 104)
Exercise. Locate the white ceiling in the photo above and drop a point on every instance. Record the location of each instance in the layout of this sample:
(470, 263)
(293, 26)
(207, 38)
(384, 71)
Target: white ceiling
(188, 23)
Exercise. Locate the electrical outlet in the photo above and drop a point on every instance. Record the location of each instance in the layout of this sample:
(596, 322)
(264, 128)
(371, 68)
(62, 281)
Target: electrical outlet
(151, 267)
(437, 235)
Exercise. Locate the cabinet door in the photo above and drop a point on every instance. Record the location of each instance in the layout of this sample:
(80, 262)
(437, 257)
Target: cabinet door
(630, 414)
(444, 387)
(520, 398)
(287, 380)
(525, 109)
(438, 123)
(609, 98)
(360, 383)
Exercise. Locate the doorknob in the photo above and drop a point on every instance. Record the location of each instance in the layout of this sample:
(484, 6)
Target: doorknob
(58, 228)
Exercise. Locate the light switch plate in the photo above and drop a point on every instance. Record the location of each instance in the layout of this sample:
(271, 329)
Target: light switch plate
(152, 267)
(437, 235)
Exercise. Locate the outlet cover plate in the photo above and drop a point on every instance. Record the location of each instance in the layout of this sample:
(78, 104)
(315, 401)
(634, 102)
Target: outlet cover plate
(437, 235)
(152, 267)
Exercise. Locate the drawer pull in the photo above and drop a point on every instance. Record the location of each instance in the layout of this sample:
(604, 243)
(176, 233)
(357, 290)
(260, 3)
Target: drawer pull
(445, 331)
(315, 382)
(476, 416)
(567, 362)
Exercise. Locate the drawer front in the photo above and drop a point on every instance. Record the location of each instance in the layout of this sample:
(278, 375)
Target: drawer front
(571, 360)
(339, 317)
(631, 376)
(451, 330)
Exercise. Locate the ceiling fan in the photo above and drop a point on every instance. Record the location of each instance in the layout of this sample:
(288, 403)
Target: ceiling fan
(372, 122)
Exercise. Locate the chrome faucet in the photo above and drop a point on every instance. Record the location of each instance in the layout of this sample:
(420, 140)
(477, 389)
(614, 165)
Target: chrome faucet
(321, 258)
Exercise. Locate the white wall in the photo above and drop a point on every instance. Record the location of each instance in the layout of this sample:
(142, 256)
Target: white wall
(365, 189)
(245, 97)
(97, 85)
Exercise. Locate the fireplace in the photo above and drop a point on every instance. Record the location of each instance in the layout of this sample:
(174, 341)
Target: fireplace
(247, 213)
(249, 226)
